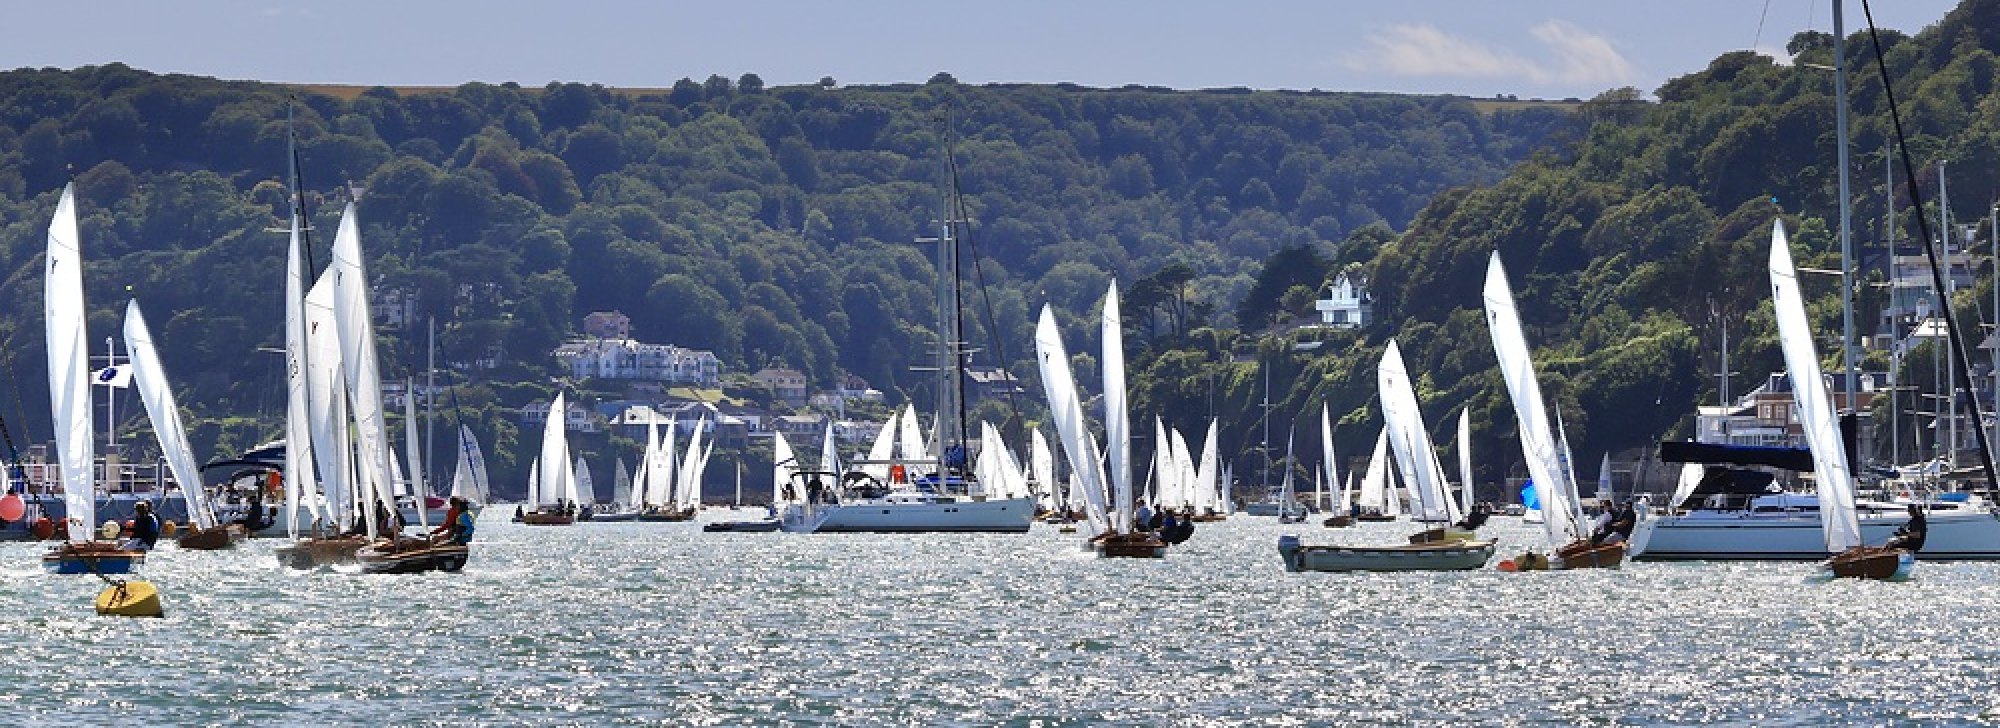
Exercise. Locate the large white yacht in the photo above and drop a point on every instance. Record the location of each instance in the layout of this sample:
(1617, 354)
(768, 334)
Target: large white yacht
(919, 507)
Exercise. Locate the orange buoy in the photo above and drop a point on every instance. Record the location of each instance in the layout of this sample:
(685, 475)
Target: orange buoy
(43, 529)
(12, 508)
(1507, 565)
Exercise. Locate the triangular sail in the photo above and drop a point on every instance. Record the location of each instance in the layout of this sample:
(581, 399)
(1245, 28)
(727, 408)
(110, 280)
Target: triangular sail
(1465, 460)
(586, 490)
(299, 445)
(1066, 412)
(783, 465)
(1839, 525)
(1538, 445)
(326, 416)
(1375, 481)
(469, 481)
(1409, 440)
(554, 458)
(1329, 465)
(360, 367)
(1117, 423)
(151, 379)
(69, 360)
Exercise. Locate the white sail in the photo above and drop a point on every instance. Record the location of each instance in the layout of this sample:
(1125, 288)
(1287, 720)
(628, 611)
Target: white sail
(661, 479)
(783, 465)
(1410, 442)
(1690, 478)
(1604, 480)
(1066, 412)
(1117, 425)
(882, 450)
(534, 482)
(299, 445)
(1207, 473)
(1839, 525)
(413, 454)
(360, 368)
(1375, 481)
(911, 436)
(1329, 465)
(1465, 459)
(326, 418)
(688, 492)
(69, 360)
(1042, 463)
(586, 489)
(469, 481)
(151, 379)
(829, 455)
(642, 483)
(621, 482)
(554, 457)
(1184, 468)
(1538, 446)
(1568, 473)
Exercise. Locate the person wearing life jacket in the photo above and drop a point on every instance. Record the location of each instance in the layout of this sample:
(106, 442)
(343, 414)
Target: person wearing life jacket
(145, 528)
(448, 529)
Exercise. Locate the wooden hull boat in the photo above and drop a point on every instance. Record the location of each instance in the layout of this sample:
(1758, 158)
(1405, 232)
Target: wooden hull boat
(211, 539)
(1439, 556)
(666, 515)
(1375, 518)
(741, 526)
(312, 553)
(1580, 554)
(547, 519)
(1871, 562)
(1338, 522)
(1130, 546)
(92, 557)
(1440, 535)
(412, 556)
(1208, 517)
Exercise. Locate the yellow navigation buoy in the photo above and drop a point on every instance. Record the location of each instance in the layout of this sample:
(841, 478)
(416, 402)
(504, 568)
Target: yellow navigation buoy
(130, 599)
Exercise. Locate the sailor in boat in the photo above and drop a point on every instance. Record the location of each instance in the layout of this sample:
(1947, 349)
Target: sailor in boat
(1474, 518)
(1143, 519)
(458, 524)
(1620, 526)
(1911, 535)
(145, 528)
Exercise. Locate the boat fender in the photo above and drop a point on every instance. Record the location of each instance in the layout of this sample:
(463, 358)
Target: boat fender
(43, 529)
(12, 508)
(108, 529)
(168, 529)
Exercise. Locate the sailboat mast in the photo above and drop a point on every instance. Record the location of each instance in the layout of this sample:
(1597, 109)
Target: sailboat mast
(951, 426)
(1846, 208)
(430, 405)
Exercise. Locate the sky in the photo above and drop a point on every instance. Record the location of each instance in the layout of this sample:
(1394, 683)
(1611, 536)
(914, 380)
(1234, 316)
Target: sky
(1529, 48)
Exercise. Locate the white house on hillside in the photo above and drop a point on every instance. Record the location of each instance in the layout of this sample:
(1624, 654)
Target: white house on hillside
(1346, 303)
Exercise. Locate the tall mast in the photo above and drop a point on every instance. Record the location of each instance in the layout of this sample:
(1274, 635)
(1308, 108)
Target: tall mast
(1846, 211)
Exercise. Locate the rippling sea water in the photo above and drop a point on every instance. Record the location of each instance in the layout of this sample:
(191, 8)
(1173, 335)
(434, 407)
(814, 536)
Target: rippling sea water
(661, 624)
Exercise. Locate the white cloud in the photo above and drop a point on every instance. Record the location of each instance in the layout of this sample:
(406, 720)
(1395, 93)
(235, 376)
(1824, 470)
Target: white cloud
(1571, 55)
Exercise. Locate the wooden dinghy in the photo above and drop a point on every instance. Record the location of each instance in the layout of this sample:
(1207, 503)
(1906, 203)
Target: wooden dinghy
(1338, 522)
(312, 553)
(1579, 554)
(1871, 562)
(1437, 556)
(1440, 535)
(1140, 545)
(211, 539)
(412, 556)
